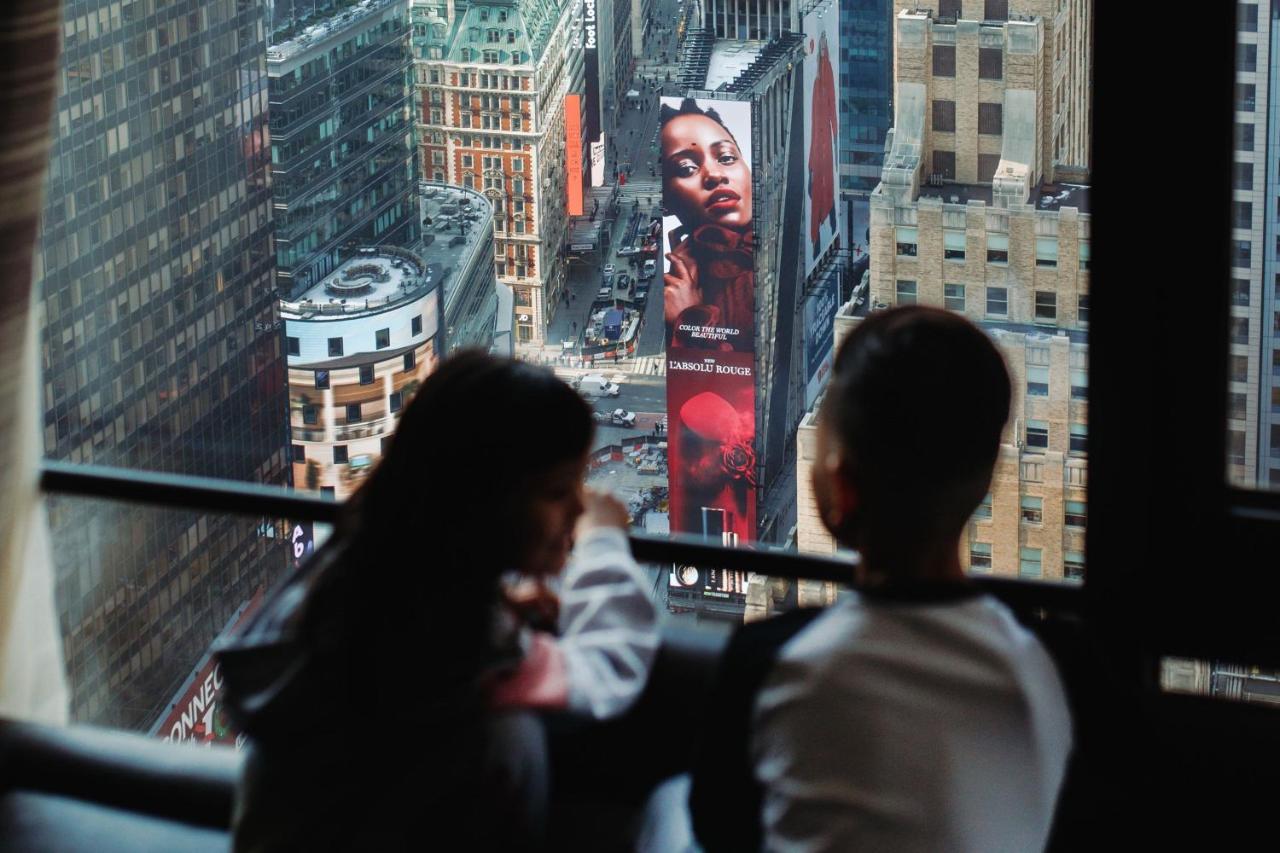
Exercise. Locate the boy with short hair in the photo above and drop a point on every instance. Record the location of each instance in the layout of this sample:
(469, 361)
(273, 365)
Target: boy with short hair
(916, 714)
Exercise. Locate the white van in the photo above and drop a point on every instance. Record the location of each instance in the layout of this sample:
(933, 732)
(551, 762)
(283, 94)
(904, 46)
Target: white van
(595, 385)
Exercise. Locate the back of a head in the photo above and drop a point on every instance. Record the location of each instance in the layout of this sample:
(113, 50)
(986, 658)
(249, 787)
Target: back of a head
(917, 402)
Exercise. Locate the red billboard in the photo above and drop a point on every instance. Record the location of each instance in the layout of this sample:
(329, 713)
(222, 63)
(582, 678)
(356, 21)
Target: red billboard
(573, 152)
(709, 309)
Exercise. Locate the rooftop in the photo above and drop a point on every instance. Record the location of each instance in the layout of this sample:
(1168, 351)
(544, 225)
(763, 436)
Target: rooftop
(460, 218)
(1046, 197)
(729, 59)
(373, 279)
(300, 41)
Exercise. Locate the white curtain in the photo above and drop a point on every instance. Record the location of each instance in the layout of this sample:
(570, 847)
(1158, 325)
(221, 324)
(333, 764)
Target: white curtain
(32, 681)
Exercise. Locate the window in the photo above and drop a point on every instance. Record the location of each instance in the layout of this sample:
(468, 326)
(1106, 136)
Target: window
(1241, 253)
(292, 345)
(944, 60)
(339, 454)
(944, 116)
(1082, 308)
(353, 412)
(366, 374)
(1079, 439)
(953, 245)
(1037, 383)
(1084, 254)
(998, 249)
(409, 360)
(396, 400)
(1073, 566)
(984, 508)
(1046, 251)
(1244, 136)
(954, 297)
(299, 453)
(1242, 176)
(980, 556)
(1237, 405)
(990, 63)
(322, 379)
(990, 118)
(949, 9)
(1239, 368)
(995, 10)
(997, 301)
(1246, 97)
(335, 347)
(1046, 306)
(416, 325)
(1241, 214)
(1079, 383)
(1247, 58)
(310, 415)
(1235, 447)
(906, 241)
(1032, 509)
(382, 338)
(1240, 292)
(1248, 18)
(1239, 330)
(906, 293)
(987, 165)
(327, 492)
(1038, 431)
(1029, 564)
(944, 164)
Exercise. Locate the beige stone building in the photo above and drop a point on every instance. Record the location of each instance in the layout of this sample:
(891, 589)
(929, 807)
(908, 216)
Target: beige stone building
(983, 209)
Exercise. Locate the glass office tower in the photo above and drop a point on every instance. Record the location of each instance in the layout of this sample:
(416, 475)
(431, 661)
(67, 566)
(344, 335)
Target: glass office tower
(160, 344)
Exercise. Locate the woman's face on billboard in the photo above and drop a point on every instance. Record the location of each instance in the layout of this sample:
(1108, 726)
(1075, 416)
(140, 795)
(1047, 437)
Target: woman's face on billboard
(705, 179)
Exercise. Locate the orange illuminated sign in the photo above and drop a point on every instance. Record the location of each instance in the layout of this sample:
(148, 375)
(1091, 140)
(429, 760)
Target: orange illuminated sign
(573, 151)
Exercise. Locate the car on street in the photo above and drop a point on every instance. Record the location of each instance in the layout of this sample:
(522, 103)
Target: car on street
(622, 418)
(628, 251)
(642, 292)
(650, 268)
(595, 385)
(608, 271)
(605, 292)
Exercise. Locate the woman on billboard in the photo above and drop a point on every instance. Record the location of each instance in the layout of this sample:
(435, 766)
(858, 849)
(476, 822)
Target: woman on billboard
(709, 288)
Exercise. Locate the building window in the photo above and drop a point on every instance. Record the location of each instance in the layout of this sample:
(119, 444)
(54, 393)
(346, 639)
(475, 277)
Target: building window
(949, 9)
(1073, 566)
(415, 325)
(990, 63)
(1084, 252)
(1241, 214)
(1242, 176)
(1235, 447)
(997, 301)
(1037, 382)
(984, 508)
(1237, 405)
(906, 293)
(1029, 564)
(1247, 58)
(980, 556)
(310, 415)
(1079, 439)
(944, 116)
(299, 453)
(366, 374)
(953, 245)
(382, 338)
(1046, 306)
(1239, 368)
(1244, 136)
(397, 399)
(1038, 431)
(353, 412)
(410, 360)
(339, 454)
(327, 492)
(335, 347)
(1082, 308)
(322, 379)
(997, 248)
(1241, 253)
(1032, 509)
(944, 164)
(1240, 292)
(1079, 384)
(990, 118)
(292, 346)
(906, 242)
(954, 297)
(995, 10)
(1246, 97)
(1046, 251)
(987, 165)
(1248, 18)
(944, 60)
(1239, 330)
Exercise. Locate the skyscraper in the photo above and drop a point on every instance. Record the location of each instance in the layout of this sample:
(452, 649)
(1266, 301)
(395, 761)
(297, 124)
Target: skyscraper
(344, 165)
(866, 104)
(160, 345)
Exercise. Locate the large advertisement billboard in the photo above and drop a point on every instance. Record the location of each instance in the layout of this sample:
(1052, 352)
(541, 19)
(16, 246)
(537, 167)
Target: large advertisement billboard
(819, 334)
(573, 153)
(821, 131)
(708, 270)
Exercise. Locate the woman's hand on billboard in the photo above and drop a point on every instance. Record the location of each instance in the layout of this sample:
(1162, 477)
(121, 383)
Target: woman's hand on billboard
(680, 287)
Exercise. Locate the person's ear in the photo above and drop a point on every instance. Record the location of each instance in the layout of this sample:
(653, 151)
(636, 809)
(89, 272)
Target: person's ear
(842, 498)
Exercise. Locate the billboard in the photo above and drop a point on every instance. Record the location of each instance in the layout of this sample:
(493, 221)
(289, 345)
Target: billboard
(819, 335)
(821, 131)
(709, 310)
(573, 152)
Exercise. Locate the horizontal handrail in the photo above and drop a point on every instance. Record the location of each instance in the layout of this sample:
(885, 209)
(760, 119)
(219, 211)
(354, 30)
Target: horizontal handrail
(209, 494)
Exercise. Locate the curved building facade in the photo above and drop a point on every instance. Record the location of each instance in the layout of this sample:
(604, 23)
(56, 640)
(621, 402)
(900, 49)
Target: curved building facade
(457, 234)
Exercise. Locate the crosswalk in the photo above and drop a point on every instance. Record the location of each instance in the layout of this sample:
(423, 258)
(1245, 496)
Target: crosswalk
(648, 365)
